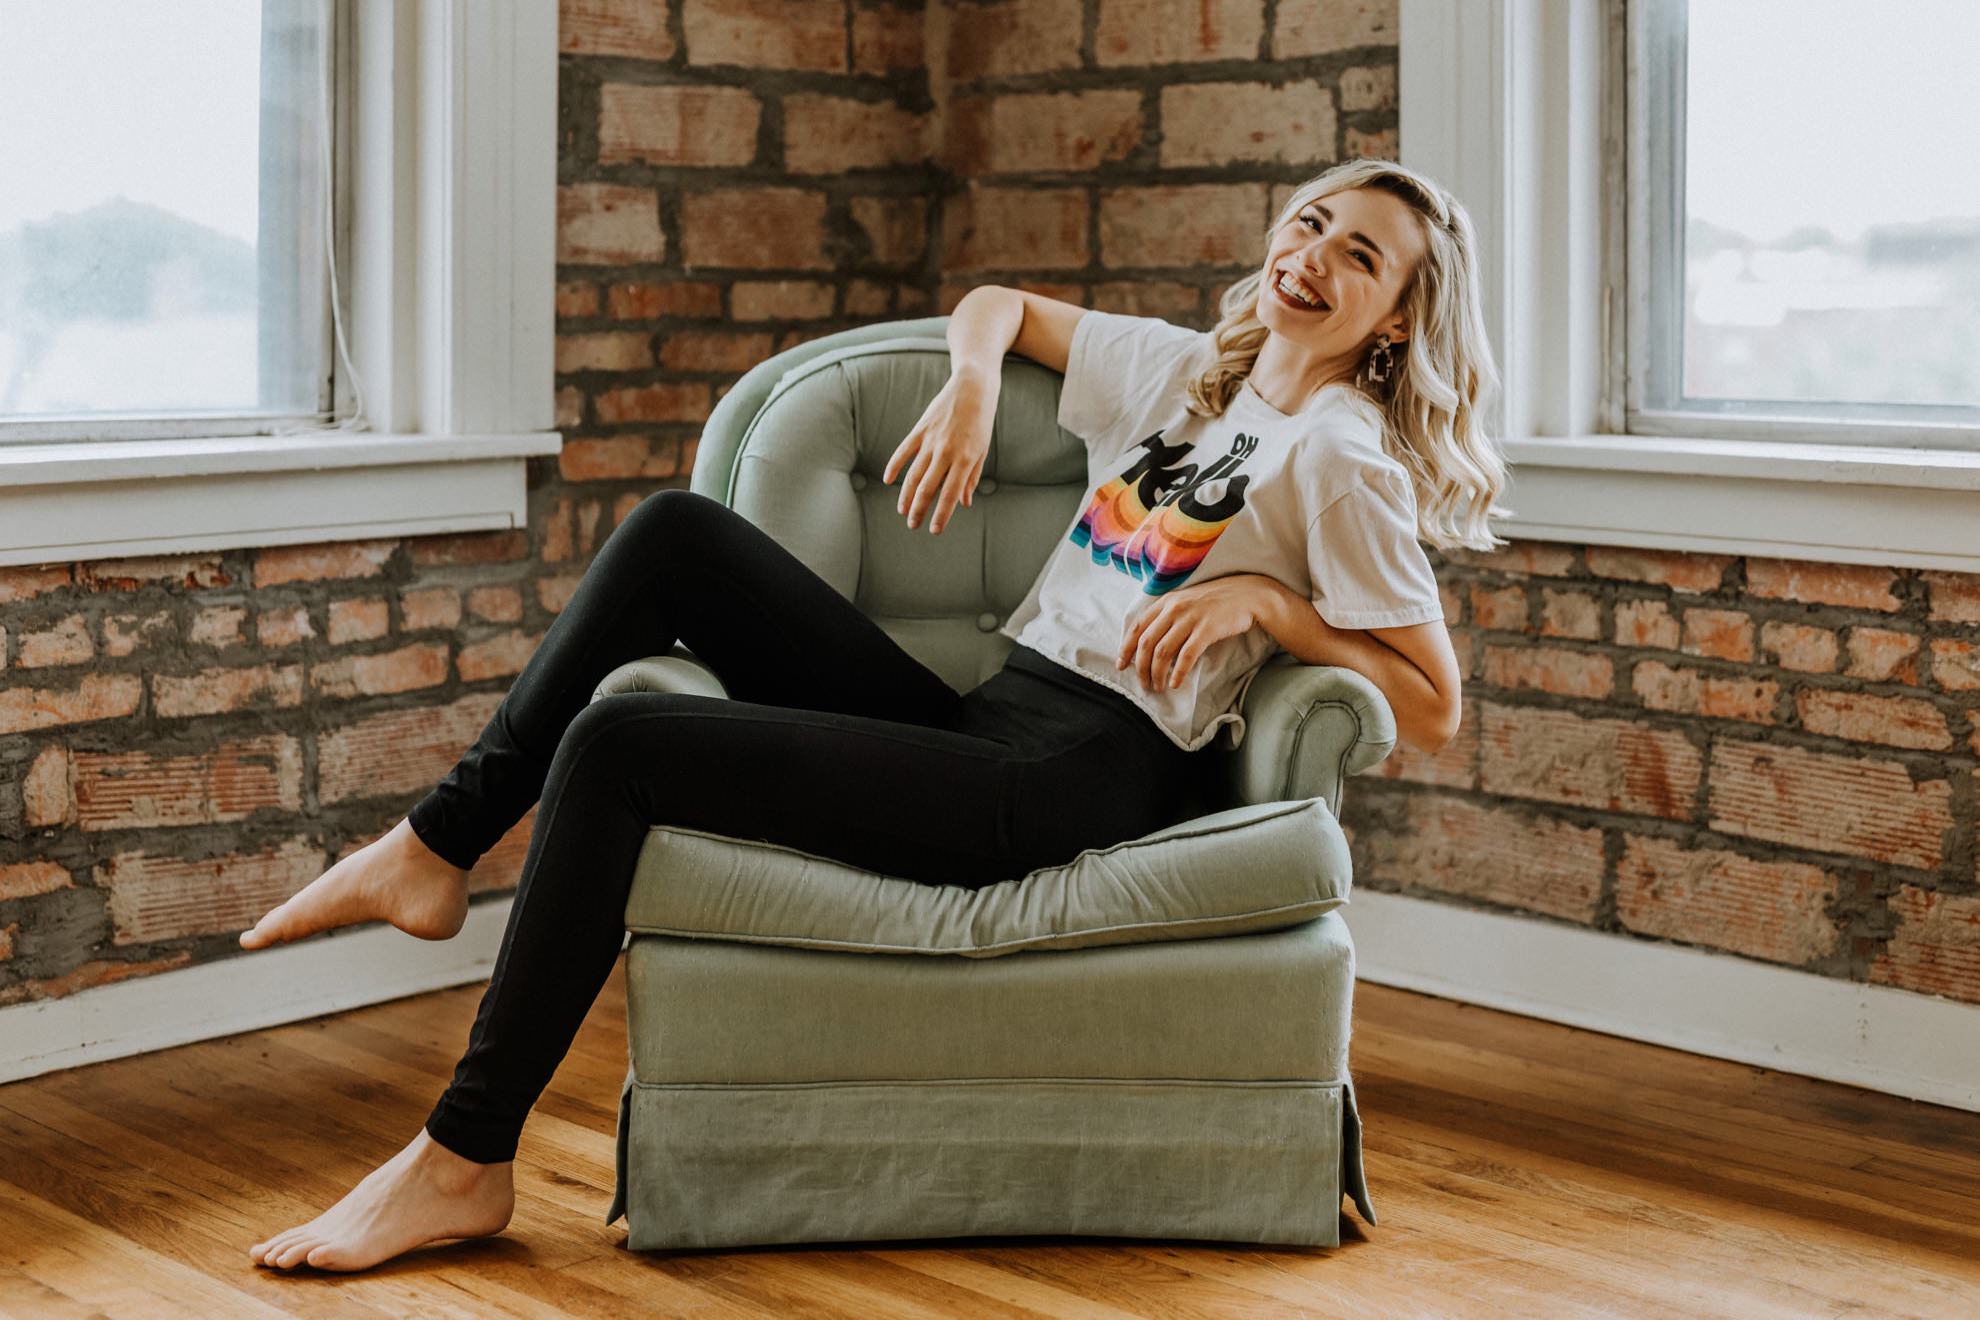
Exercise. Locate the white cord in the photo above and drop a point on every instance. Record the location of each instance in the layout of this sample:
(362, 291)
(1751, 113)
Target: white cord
(357, 421)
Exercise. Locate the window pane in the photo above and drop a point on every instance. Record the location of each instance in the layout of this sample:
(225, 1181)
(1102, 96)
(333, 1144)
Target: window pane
(1832, 203)
(162, 214)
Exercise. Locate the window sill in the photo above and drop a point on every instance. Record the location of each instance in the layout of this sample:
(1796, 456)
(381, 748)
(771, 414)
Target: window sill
(65, 502)
(1846, 504)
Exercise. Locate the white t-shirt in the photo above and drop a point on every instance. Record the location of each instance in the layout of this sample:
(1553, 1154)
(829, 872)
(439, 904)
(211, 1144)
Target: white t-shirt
(1309, 499)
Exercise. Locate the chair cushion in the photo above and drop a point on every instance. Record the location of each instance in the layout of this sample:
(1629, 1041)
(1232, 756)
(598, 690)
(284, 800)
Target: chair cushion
(1262, 866)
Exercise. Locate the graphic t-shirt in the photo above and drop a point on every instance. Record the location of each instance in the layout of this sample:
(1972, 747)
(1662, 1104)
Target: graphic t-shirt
(1173, 499)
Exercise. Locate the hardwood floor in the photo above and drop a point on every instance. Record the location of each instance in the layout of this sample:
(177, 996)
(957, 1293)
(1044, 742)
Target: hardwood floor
(1520, 1168)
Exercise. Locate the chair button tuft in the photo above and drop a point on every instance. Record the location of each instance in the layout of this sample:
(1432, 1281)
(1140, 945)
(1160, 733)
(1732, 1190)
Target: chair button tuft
(986, 623)
(987, 486)
(859, 481)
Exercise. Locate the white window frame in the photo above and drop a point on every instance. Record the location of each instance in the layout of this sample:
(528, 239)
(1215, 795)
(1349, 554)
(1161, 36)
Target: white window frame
(1511, 105)
(450, 116)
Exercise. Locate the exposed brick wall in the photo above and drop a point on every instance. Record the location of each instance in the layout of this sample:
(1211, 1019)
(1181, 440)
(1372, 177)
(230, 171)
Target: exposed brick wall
(1773, 759)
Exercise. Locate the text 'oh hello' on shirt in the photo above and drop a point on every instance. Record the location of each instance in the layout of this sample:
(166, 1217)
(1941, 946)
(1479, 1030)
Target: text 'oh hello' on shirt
(1309, 499)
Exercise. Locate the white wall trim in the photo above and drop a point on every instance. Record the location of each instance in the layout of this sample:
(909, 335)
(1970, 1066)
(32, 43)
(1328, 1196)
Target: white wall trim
(450, 287)
(266, 988)
(1920, 1046)
(1510, 104)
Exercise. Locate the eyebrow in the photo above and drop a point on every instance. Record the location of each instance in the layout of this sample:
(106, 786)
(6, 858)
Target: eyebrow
(1327, 215)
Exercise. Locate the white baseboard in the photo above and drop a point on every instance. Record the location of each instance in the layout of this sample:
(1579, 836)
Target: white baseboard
(264, 988)
(1921, 1046)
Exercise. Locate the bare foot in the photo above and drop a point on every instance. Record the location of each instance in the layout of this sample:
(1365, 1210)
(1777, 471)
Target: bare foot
(395, 878)
(422, 1194)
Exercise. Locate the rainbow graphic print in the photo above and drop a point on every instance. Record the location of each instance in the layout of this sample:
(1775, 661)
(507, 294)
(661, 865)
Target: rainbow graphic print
(1149, 521)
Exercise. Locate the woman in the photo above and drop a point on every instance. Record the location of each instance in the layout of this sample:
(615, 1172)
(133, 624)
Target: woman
(1254, 487)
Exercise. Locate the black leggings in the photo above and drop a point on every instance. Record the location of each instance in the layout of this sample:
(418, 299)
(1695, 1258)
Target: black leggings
(833, 740)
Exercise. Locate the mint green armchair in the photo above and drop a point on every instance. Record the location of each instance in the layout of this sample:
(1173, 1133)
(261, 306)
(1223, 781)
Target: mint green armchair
(1149, 1040)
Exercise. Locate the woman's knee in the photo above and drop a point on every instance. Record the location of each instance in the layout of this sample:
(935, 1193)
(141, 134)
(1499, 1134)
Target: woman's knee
(678, 519)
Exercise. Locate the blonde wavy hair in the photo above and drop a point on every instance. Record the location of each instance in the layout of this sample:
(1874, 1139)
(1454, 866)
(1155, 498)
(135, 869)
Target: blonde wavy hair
(1444, 373)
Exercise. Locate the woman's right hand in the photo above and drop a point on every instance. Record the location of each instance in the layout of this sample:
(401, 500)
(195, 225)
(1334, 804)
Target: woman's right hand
(944, 454)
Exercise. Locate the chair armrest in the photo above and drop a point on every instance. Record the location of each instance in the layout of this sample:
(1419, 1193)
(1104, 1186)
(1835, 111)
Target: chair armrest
(677, 671)
(1307, 728)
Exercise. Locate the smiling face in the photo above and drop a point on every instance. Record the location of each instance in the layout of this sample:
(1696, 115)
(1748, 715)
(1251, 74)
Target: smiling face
(1355, 250)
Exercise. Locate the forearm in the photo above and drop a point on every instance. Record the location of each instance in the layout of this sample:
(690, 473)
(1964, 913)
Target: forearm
(982, 329)
(1421, 712)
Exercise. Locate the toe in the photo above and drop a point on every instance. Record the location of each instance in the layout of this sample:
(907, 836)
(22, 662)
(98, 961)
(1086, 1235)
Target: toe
(328, 1256)
(292, 1255)
(262, 1250)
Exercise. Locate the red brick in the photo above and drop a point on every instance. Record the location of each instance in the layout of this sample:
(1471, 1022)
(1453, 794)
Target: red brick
(190, 572)
(1955, 597)
(1175, 31)
(1686, 691)
(1016, 37)
(1167, 299)
(497, 657)
(766, 34)
(1840, 804)
(569, 411)
(217, 691)
(27, 879)
(781, 300)
(614, 27)
(608, 224)
(145, 790)
(677, 124)
(1717, 898)
(7, 933)
(1646, 623)
(1608, 764)
(154, 897)
(495, 604)
(828, 134)
(502, 865)
(404, 751)
(125, 633)
(887, 39)
(407, 669)
(468, 548)
(1573, 614)
(1550, 669)
(1718, 634)
(988, 228)
(1955, 665)
(1860, 717)
(48, 789)
(1456, 766)
(758, 228)
(218, 626)
(714, 350)
(1488, 852)
(321, 561)
(1321, 27)
(19, 584)
(1370, 87)
(619, 458)
(64, 642)
(429, 607)
(1357, 143)
(1529, 557)
(577, 298)
(359, 620)
(896, 228)
(643, 300)
(620, 350)
(89, 974)
(1936, 947)
(1211, 124)
(553, 593)
(673, 401)
(1856, 586)
(1677, 569)
(1501, 609)
(1060, 132)
(1883, 656)
(1799, 647)
(1179, 224)
(94, 697)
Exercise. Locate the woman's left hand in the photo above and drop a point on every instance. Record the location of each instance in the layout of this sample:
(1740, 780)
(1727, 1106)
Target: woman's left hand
(1165, 640)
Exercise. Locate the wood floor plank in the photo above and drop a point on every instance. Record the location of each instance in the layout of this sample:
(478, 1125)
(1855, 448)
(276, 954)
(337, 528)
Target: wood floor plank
(1521, 1168)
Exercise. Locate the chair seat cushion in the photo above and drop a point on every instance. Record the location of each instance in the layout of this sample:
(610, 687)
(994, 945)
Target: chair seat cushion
(1262, 866)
